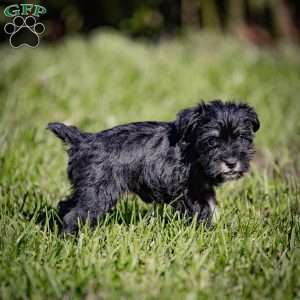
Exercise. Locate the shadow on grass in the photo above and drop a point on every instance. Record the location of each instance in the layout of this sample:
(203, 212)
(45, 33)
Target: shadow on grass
(42, 214)
(128, 212)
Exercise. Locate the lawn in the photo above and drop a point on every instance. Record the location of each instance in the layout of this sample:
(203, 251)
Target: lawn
(140, 251)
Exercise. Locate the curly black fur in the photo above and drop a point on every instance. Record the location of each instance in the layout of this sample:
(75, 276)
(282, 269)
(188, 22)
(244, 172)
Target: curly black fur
(178, 162)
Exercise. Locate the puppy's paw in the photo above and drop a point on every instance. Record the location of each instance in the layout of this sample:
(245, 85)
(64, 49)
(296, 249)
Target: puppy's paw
(70, 223)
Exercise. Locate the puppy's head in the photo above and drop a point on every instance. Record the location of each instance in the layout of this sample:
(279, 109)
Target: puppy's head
(219, 136)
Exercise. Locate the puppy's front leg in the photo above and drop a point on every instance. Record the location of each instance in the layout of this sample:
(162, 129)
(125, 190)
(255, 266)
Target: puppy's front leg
(213, 209)
(200, 205)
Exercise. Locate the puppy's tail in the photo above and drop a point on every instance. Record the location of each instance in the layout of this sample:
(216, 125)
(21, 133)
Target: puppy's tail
(70, 135)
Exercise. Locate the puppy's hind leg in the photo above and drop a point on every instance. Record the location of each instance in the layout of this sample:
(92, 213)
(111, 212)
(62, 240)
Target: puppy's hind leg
(91, 206)
(71, 211)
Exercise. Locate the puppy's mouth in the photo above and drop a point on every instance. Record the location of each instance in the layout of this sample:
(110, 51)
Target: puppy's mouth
(231, 175)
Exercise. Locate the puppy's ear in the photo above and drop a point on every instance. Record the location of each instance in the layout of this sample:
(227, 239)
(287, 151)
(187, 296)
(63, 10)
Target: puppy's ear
(187, 118)
(255, 121)
(251, 115)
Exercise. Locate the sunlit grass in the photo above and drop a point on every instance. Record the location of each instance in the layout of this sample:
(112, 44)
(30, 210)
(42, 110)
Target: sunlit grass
(142, 251)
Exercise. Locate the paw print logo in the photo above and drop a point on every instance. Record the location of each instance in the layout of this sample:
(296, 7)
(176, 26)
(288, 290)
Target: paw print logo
(24, 32)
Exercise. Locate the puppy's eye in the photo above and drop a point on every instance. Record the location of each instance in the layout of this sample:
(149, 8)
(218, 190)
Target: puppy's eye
(212, 142)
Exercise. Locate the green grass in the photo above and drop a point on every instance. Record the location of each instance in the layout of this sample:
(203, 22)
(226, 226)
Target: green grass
(141, 251)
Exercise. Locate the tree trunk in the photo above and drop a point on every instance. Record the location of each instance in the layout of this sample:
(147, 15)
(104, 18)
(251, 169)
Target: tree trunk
(209, 13)
(236, 14)
(284, 23)
(190, 13)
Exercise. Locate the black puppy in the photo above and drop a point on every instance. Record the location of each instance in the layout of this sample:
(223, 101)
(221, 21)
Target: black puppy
(178, 162)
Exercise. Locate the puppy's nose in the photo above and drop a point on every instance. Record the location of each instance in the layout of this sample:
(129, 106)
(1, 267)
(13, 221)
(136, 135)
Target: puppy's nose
(230, 162)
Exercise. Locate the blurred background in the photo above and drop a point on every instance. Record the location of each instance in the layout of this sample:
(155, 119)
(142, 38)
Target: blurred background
(261, 22)
(108, 62)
